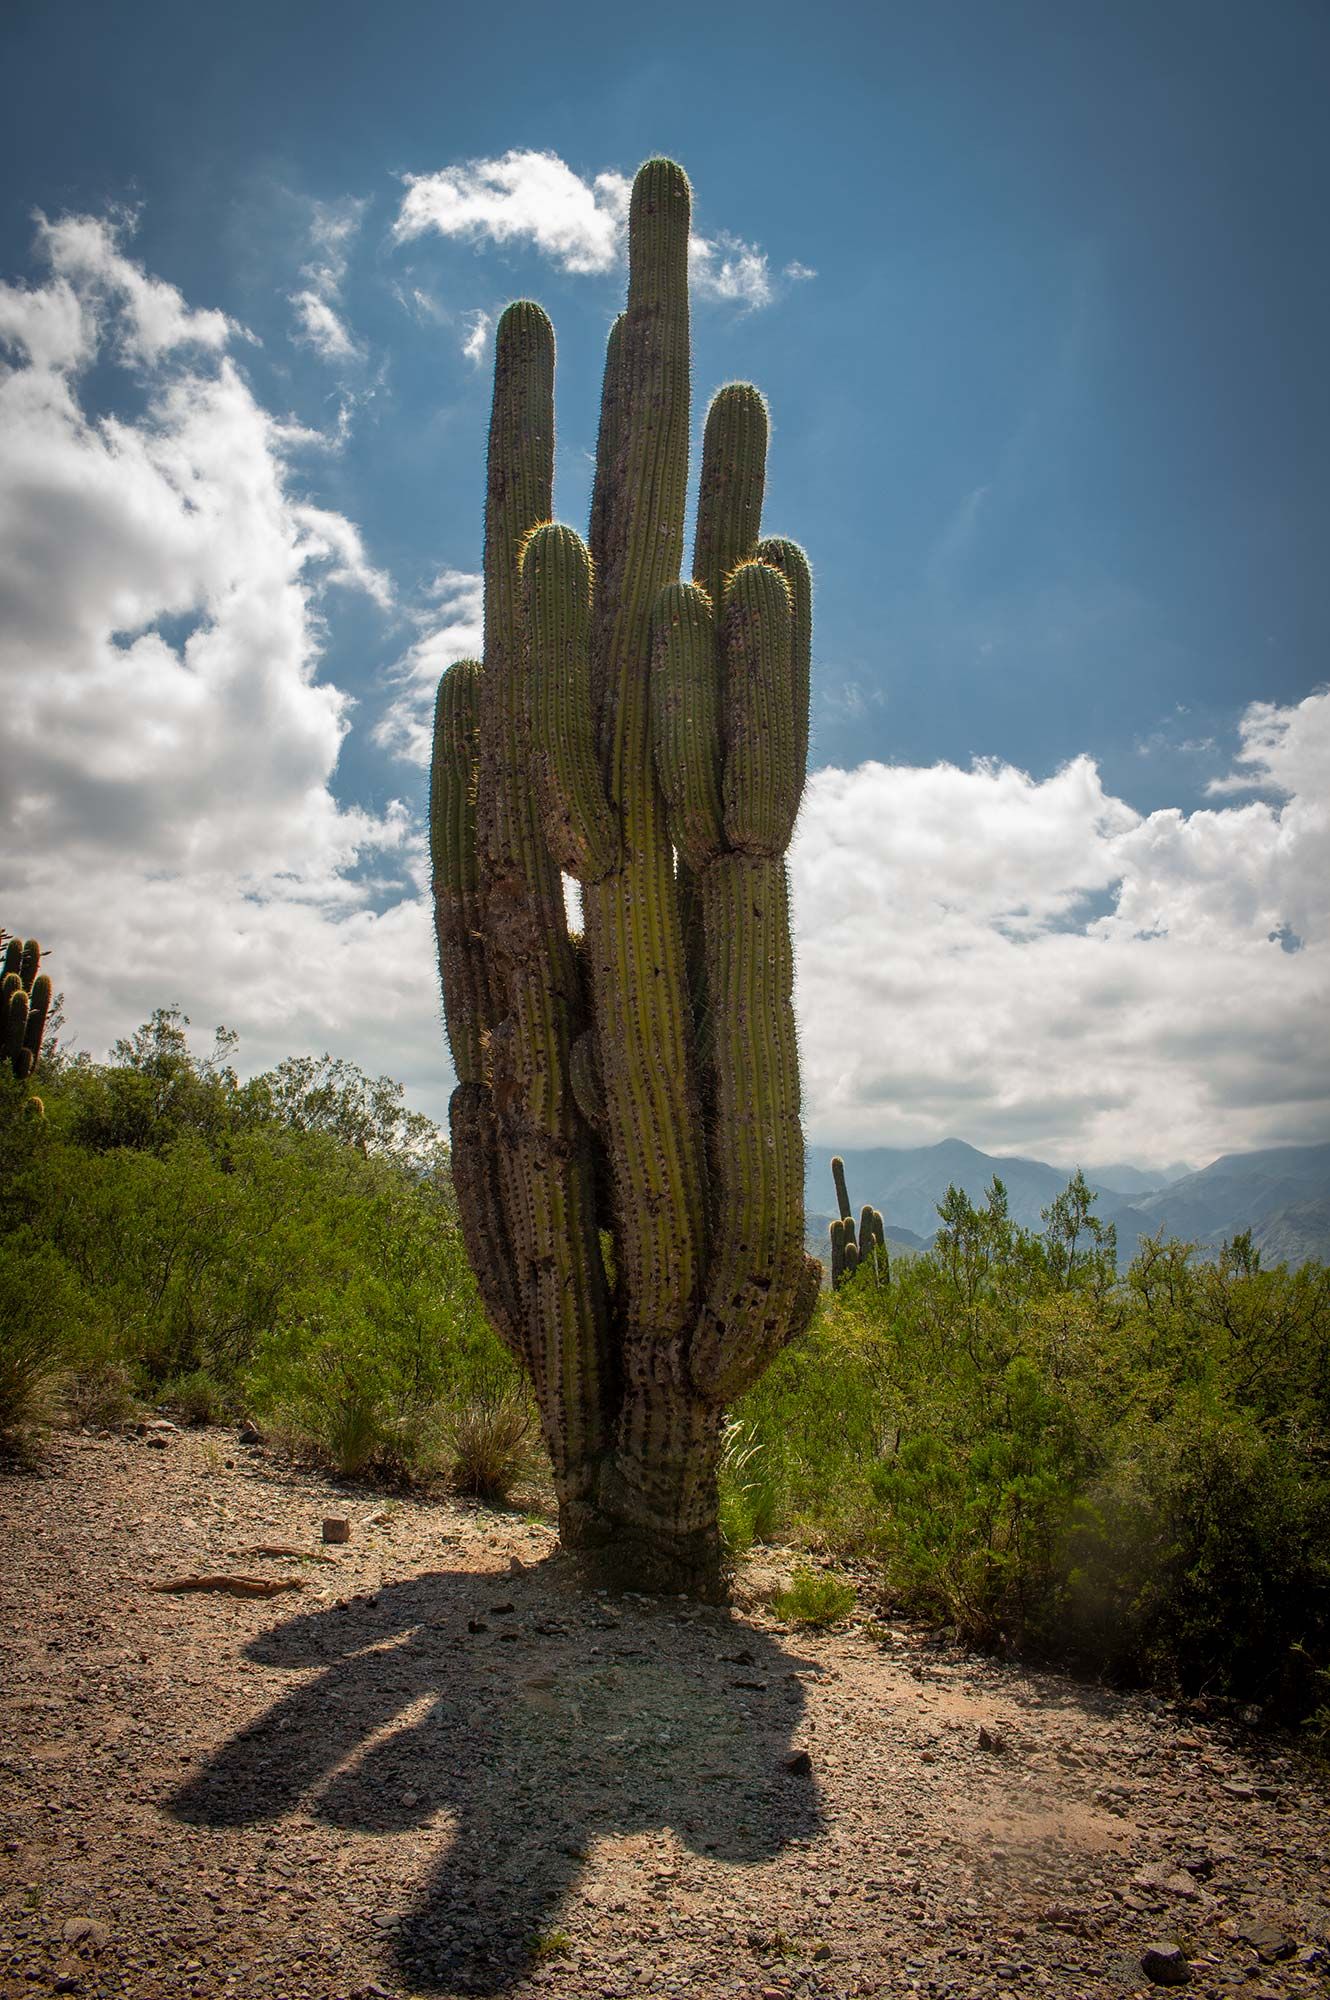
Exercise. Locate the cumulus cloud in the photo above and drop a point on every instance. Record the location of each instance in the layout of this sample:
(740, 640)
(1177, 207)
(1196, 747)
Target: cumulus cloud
(452, 628)
(1032, 965)
(524, 196)
(94, 281)
(166, 768)
(580, 225)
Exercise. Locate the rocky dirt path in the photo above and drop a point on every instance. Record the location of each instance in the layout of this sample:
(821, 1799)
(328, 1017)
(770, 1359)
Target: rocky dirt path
(440, 1768)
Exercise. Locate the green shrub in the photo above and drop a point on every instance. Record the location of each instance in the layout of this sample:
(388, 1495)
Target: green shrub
(197, 1398)
(487, 1436)
(29, 1375)
(1204, 1560)
(814, 1598)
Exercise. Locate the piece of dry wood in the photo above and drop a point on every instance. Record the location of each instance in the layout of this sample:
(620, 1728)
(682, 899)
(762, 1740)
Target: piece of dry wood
(289, 1549)
(234, 1586)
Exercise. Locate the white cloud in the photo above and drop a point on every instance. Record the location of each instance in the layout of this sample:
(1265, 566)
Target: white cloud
(320, 328)
(731, 270)
(1283, 749)
(93, 274)
(332, 230)
(580, 225)
(798, 272)
(522, 196)
(453, 629)
(956, 976)
(166, 769)
(478, 338)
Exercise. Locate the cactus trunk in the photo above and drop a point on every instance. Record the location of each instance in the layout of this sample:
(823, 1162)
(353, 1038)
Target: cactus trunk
(646, 737)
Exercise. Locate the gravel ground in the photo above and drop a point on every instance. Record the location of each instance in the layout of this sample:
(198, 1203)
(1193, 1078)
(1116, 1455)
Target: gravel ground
(440, 1767)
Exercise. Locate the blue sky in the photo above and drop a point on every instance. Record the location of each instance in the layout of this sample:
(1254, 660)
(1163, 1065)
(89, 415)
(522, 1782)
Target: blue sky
(1040, 297)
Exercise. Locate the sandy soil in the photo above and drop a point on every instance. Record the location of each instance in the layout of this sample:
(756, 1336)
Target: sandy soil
(440, 1767)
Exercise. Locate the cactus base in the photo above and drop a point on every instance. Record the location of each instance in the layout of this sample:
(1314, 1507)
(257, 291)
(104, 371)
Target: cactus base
(620, 1555)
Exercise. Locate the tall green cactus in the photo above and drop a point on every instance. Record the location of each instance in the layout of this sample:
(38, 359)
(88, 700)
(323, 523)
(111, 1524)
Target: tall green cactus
(25, 1002)
(634, 1086)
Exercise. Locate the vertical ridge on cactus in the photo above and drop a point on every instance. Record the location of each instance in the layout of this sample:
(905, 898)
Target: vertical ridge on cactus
(642, 734)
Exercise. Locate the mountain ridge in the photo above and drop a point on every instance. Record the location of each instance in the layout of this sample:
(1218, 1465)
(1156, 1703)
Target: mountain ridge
(1280, 1193)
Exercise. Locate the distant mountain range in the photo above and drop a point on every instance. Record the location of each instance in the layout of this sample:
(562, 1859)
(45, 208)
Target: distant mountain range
(1281, 1194)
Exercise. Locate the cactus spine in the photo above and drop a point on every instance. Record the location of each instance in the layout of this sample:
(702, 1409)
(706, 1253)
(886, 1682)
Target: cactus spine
(645, 736)
(25, 1002)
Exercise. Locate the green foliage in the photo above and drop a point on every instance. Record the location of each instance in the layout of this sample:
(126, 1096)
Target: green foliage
(814, 1598)
(487, 1435)
(32, 1294)
(286, 1247)
(1130, 1475)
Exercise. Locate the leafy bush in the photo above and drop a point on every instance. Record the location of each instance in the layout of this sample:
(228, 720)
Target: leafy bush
(814, 1598)
(1128, 1475)
(31, 1282)
(287, 1247)
(197, 1398)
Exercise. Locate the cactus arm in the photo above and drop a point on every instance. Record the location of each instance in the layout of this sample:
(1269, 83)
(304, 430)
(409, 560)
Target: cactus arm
(632, 920)
(790, 560)
(605, 537)
(39, 1006)
(757, 1148)
(761, 789)
(483, 1216)
(758, 1284)
(842, 1191)
(581, 831)
(458, 924)
(729, 517)
(733, 479)
(540, 1162)
(837, 1234)
(685, 720)
(16, 1027)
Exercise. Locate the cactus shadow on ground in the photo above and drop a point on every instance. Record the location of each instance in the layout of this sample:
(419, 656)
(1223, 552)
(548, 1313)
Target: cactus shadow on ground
(581, 1727)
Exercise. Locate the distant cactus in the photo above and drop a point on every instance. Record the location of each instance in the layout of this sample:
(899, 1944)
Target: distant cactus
(849, 1251)
(25, 1002)
(647, 737)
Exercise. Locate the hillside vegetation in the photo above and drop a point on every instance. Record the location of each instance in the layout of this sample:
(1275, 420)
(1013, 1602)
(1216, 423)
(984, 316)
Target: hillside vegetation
(1128, 1474)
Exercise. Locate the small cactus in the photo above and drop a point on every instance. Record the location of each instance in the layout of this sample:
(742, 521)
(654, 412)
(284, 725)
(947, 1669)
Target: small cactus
(848, 1250)
(25, 1002)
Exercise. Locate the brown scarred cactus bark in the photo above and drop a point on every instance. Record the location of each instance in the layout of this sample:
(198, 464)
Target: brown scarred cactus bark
(637, 1085)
